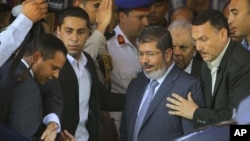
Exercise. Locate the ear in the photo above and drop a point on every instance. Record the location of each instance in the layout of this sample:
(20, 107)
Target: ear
(36, 57)
(168, 55)
(223, 34)
(58, 31)
(122, 16)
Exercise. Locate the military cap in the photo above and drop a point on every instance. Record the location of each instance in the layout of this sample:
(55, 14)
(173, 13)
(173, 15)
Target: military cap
(133, 4)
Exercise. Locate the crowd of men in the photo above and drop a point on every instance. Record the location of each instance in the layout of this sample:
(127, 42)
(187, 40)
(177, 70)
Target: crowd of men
(158, 73)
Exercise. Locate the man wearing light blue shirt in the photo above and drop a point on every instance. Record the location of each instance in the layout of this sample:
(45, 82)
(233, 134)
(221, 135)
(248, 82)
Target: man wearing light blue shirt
(12, 37)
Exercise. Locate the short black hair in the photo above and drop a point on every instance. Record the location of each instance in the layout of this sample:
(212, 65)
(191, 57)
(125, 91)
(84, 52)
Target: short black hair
(47, 44)
(156, 33)
(4, 10)
(73, 12)
(214, 17)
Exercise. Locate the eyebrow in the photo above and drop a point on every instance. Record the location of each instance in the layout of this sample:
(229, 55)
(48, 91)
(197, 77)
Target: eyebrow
(56, 67)
(75, 29)
(234, 10)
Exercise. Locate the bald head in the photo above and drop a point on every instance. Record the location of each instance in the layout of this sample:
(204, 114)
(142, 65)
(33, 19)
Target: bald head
(182, 13)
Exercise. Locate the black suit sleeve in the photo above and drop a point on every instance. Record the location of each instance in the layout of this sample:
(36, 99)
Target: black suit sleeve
(52, 98)
(110, 101)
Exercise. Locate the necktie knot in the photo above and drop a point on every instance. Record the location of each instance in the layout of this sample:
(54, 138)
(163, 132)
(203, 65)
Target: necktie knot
(154, 84)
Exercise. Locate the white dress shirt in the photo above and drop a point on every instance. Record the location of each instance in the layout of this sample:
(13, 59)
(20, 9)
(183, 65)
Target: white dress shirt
(84, 84)
(213, 66)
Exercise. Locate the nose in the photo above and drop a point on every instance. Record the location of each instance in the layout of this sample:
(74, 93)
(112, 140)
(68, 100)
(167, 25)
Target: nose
(55, 74)
(145, 21)
(230, 18)
(198, 45)
(74, 37)
(144, 58)
(176, 51)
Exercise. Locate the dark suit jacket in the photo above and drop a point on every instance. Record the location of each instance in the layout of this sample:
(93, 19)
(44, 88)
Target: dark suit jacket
(196, 68)
(20, 103)
(100, 98)
(231, 86)
(158, 125)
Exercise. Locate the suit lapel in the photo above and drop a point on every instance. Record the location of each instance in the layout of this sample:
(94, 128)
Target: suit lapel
(207, 84)
(162, 92)
(139, 92)
(222, 67)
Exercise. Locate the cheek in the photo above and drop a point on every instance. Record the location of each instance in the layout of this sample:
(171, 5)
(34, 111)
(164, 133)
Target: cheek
(84, 39)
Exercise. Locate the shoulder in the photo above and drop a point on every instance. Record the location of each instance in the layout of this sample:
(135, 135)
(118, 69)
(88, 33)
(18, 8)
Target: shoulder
(241, 55)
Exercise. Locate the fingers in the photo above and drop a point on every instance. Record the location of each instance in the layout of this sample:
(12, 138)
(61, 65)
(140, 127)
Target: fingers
(106, 4)
(178, 97)
(172, 106)
(35, 10)
(43, 136)
(176, 113)
(62, 136)
(173, 101)
(190, 96)
(65, 135)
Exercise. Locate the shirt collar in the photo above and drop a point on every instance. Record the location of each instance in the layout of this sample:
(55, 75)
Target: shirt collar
(27, 65)
(118, 32)
(82, 60)
(189, 67)
(245, 44)
(216, 62)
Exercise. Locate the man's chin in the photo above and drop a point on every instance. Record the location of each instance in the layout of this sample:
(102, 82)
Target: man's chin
(154, 74)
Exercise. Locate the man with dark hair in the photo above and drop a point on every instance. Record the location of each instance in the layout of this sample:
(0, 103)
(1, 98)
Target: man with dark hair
(83, 94)
(225, 78)
(145, 116)
(239, 21)
(100, 12)
(158, 11)
(20, 98)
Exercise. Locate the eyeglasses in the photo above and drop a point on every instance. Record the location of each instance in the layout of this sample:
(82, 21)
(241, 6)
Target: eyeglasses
(149, 54)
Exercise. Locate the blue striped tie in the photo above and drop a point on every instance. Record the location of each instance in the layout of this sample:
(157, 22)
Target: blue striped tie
(144, 109)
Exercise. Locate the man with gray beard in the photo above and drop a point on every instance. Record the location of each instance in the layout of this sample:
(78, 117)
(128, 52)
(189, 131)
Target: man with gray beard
(141, 114)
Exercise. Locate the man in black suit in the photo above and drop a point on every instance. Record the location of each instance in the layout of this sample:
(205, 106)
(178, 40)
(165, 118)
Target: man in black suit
(184, 49)
(225, 77)
(20, 98)
(155, 56)
(83, 94)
